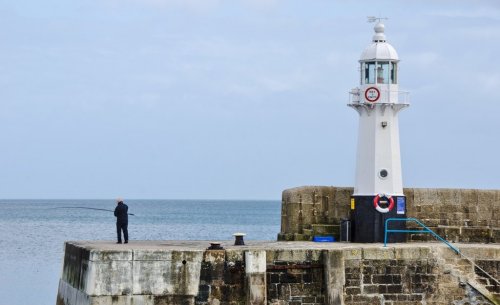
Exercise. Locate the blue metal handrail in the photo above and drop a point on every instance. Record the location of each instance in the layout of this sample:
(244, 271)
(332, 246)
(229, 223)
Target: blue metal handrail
(425, 230)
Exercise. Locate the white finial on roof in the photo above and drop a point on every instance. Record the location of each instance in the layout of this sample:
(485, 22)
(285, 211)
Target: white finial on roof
(379, 28)
(379, 48)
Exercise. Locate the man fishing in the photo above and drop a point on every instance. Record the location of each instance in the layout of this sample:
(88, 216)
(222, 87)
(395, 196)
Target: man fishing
(121, 214)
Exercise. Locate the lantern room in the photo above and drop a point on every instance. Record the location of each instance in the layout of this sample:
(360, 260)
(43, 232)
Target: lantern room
(378, 71)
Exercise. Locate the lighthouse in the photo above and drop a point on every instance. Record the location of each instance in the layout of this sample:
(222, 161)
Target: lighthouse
(378, 190)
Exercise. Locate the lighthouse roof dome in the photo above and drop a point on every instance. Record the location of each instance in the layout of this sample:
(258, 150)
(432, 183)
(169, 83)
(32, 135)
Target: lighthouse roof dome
(379, 48)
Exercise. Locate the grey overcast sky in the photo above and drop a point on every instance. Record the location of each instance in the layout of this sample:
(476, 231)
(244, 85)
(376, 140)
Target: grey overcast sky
(235, 99)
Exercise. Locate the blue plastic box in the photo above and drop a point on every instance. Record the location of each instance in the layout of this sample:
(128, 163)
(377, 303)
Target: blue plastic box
(323, 239)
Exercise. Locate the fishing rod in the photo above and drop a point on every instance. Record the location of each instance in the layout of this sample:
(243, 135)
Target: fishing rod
(87, 208)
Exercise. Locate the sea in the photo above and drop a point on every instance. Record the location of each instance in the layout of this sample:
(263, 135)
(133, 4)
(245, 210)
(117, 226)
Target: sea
(33, 232)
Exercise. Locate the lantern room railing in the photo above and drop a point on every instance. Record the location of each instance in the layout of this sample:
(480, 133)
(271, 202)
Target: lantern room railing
(403, 97)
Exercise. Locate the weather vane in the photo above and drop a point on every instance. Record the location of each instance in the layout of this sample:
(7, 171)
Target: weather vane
(378, 19)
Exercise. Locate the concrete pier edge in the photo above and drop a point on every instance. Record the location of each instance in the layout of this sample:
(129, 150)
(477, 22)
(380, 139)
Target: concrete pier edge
(185, 272)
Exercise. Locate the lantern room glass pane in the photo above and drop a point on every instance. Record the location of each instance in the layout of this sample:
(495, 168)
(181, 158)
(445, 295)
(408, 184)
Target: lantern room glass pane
(394, 73)
(362, 73)
(382, 72)
(369, 69)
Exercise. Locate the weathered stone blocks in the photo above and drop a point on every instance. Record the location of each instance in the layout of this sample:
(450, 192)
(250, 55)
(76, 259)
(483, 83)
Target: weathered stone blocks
(460, 215)
(110, 277)
(334, 277)
(255, 269)
(95, 276)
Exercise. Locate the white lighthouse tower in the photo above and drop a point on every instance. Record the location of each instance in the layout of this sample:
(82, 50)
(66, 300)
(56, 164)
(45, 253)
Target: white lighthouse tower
(378, 190)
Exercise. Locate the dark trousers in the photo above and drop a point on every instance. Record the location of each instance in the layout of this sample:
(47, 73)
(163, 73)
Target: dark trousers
(119, 228)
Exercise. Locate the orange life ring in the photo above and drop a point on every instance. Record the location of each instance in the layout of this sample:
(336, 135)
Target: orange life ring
(383, 210)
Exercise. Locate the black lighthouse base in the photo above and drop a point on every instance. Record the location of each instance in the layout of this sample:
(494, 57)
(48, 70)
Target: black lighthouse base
(368, 223)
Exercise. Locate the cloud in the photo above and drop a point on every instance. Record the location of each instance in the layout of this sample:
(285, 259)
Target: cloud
(203, 6)
(490, 82)
(488, 32)
(276, 84)
(238, 89)
(479, 13)
(261, 4)
(191, 5)
(336, 58)
(423, 59)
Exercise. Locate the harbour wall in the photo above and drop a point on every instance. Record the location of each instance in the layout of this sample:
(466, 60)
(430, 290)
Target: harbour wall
(458, 215)
(277, 273)
(296, 271)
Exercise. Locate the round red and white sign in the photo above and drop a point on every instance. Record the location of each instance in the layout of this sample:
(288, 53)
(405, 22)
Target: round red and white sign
(372, 94)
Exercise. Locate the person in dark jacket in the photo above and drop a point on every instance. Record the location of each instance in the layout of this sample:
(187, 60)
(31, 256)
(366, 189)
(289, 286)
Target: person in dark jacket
(121, 214)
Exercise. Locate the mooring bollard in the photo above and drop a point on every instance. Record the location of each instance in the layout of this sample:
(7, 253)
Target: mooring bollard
(215, 246)
(238, 239)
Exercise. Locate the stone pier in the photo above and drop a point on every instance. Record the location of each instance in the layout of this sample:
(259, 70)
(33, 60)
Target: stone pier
(296, 271)
(279, 273)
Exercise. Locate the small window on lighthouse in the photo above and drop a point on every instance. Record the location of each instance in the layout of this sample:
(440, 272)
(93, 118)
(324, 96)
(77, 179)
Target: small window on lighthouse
(369, 73)
(382, 72)
(383, 173)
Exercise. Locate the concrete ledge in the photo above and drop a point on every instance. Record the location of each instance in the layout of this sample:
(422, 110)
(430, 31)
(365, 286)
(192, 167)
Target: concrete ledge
(267, 272)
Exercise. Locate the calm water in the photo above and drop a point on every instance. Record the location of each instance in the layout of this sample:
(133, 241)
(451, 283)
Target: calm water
(32, 233)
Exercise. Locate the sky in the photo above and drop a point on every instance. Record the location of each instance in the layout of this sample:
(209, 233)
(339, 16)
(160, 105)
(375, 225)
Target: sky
(235, 99)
